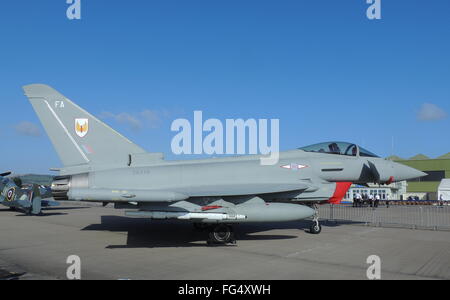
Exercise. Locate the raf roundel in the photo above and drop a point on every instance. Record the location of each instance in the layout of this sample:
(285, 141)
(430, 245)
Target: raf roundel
(294, 167)
(81, 127)
(10, 194)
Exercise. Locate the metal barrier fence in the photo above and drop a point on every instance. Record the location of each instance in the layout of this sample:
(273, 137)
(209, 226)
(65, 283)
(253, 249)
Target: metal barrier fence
(415, 217)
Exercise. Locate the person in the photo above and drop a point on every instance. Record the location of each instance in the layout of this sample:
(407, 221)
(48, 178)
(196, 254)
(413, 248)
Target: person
(387, 200)
(334, 148)
(441, 200)
(371, 200)
(358, 199)
(355, 202)
(377, 200)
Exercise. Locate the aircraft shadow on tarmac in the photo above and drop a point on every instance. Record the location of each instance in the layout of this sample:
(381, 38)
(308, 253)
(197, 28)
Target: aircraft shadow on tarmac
(66, 208)
(144, 233)
(46, 212)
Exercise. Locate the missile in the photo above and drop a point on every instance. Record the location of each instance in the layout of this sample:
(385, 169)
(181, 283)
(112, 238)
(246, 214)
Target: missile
(163, 215)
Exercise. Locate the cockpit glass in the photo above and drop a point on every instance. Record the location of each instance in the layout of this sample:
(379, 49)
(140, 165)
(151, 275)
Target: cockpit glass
(366, 153)
(339, 148)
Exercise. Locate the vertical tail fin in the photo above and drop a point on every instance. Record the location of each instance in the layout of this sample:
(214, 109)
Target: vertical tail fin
(78, 137)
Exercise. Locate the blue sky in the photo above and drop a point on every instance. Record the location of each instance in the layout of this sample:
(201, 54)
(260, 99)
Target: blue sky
(321, 67)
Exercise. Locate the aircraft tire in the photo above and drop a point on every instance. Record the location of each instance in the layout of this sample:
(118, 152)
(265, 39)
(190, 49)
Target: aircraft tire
(221, 234)
(315, 228)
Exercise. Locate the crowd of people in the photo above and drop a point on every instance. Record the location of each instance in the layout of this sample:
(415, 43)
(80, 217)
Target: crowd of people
(373, 200)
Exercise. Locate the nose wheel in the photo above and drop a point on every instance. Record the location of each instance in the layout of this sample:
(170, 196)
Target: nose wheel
(315, 228)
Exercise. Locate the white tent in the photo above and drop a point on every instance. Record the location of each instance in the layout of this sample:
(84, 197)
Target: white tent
(444, 190)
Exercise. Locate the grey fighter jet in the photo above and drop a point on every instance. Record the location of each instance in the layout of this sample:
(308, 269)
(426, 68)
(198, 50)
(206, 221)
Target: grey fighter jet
(18, 198)
(101, 165)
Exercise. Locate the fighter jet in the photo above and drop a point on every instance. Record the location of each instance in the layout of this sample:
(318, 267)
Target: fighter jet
(101, 165)
(17, 198)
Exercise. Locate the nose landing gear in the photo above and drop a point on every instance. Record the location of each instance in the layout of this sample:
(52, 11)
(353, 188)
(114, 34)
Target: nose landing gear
(315, 228)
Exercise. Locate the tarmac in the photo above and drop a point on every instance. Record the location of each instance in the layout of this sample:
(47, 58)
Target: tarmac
(112, 246)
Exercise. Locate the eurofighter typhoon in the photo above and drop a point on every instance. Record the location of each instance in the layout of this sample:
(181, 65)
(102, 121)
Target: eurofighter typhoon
(100, 165)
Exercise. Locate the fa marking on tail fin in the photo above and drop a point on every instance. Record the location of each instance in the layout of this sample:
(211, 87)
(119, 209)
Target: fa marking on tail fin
(59, 104)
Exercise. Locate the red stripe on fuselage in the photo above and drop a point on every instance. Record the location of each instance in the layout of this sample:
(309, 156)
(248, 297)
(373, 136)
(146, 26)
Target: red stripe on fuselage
(339, 194)
(206, 208)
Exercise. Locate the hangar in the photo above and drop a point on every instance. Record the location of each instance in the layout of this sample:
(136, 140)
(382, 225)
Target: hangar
(444, 190)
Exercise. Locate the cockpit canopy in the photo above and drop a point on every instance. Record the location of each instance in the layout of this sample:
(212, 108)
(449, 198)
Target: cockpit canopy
(339, 148)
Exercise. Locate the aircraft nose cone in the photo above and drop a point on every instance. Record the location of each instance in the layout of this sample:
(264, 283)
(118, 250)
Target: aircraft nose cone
(403, 172)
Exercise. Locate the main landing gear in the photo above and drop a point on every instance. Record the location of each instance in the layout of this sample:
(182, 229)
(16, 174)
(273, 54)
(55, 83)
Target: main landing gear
(221, 234)
(315, 228)
(218, 234)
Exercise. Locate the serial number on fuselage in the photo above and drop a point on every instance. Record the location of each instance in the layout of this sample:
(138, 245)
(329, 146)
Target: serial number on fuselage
(142, 172)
